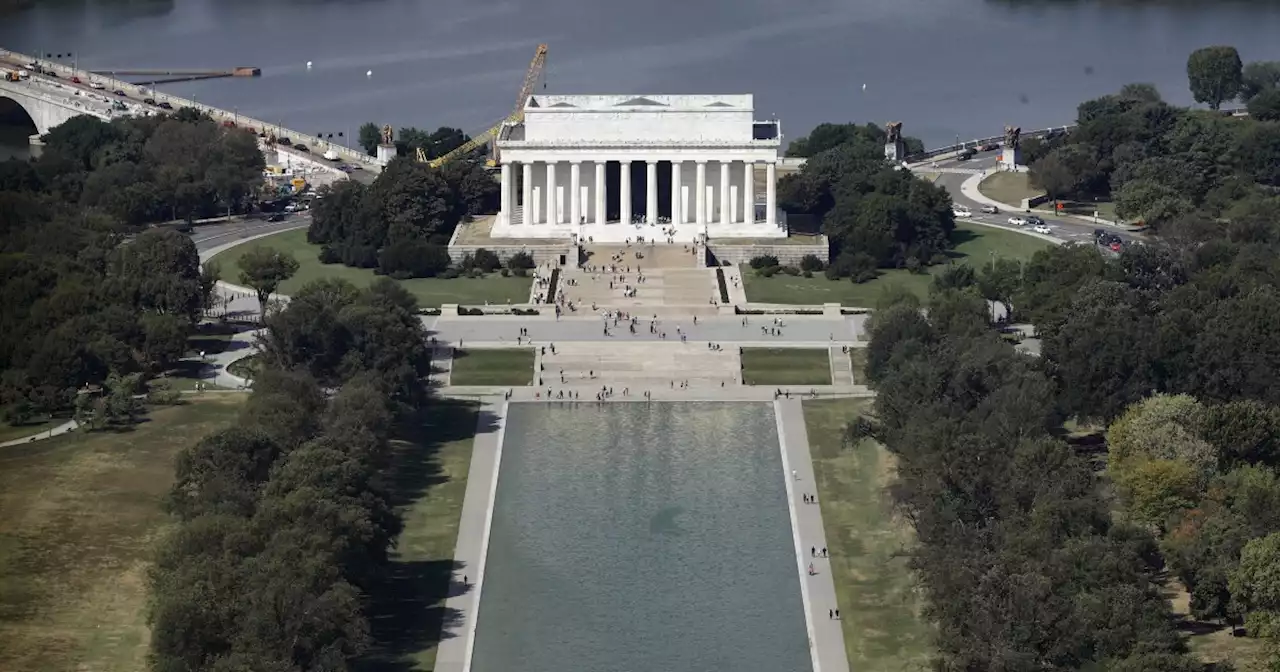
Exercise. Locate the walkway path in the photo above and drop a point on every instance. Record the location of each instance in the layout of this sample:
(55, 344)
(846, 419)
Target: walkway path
(818, 588)
(46, 434)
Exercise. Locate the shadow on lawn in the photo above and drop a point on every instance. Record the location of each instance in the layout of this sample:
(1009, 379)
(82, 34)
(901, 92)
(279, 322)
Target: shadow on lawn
(406, 609)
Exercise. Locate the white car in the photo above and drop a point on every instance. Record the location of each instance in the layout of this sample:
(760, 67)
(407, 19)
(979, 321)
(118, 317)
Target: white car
(961, 212)
(98, 85)
(1017, 221)
(1041, 228)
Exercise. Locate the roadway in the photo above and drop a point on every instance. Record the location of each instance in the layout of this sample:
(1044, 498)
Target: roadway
(209, 236)
(1064, 228)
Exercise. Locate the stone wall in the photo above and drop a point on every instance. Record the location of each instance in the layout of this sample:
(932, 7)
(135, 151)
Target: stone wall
(787, 254)
(542, 254)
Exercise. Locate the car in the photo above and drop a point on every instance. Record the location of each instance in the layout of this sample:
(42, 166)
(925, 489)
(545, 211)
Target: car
(277, 217)
(989, 147)
(990, 209)
(284, 141)
(292, 207)
(1041, 228)
(961, 211)
(76, 80)
(301, 148)
(50, 73)
(1035, 221)
(966, 154)
(120, 92)
(149, 101)
(1017, 221)
(98, 85)
(164, 104)
(1115, 246)
(1099, 235)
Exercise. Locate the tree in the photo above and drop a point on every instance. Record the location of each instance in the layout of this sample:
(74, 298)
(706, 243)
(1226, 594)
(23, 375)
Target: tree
(1141, 91)
(264, 268)
(1160, 427)
(1150, 202)
(1257, 77)
(1265, 106)
(999, 281)
(370, 136)
(1256, 588)
(1215, 74)
(1070, 170)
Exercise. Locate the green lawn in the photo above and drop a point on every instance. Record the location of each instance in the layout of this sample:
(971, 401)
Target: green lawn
(858, 364)
(1105, 209)
(1008, 188)
(79, 515)
(974, 244)
(505, 366)
(429, 478)
(880, 602)
(431, 292)
(246, 367)
(786, 366)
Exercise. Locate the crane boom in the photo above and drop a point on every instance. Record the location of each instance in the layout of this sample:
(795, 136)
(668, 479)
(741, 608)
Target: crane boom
(517, 115)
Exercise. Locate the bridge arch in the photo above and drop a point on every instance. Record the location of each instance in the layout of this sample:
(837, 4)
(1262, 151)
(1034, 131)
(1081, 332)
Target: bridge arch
(13, 114)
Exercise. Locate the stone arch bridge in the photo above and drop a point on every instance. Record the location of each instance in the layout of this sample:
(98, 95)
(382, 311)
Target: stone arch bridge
(49, 106)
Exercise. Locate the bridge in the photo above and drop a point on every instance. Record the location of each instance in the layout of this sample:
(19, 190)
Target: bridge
(51, 97)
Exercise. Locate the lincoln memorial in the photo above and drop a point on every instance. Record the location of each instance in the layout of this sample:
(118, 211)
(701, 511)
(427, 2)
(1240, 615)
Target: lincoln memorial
(615, 167)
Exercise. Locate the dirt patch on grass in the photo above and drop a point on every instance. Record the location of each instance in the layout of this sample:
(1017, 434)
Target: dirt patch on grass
(79, 515)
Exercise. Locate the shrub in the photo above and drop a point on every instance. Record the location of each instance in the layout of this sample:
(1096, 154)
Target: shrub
(505, 272)
(520, 272)
(520, 260)
(767, 271)
(789, 270)
(763, 261)
(487, 261)
(862, 267)
(19, 412)
(463, 310)
(360, 256)
(161, 393)
(417, 258)
(449, 273)
(328, 255)
(807, 274)
(811, 262)
(938, 259)
(475, 273)
(524, 311)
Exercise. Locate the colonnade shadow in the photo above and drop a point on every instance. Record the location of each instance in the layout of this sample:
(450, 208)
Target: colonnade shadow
(639, 189)
(406, 609)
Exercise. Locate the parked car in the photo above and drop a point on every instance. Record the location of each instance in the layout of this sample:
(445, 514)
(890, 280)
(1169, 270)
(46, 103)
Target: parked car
(76, 80)
(149, 101)
(120, 92)
(961, 211)
(1041, 228)
(1017, 221)
(301, 148)
(98, 85)
(284, 141)
(164, 104)
(990, 209)
(989, 147)
(277, 217)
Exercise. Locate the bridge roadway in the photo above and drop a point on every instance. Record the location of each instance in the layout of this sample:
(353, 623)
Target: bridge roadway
(98, 102)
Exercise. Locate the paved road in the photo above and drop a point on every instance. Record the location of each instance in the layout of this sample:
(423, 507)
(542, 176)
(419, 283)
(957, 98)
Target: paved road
(1065, 228)
(212, 235)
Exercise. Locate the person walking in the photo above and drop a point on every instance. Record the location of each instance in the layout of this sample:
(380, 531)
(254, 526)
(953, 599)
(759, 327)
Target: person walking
(813, 553)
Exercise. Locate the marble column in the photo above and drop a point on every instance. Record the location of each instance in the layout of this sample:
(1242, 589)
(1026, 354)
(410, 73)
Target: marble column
(526, 208)
(651, 192)
(676, 217)
(726, 208)
(506, 193)
(701, 194)
(575, 195)
(551, 194)
(600, 192)
(624, 202)
(749, 192)
(771, 193)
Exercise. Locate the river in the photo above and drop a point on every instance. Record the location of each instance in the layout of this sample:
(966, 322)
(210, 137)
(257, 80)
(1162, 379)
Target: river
(945, 68)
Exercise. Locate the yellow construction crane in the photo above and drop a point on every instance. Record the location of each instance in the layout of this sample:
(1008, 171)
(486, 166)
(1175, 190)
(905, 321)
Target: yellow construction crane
(530, 80)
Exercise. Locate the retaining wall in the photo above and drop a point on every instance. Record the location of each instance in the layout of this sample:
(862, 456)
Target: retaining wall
(542, 254)
(787, 254)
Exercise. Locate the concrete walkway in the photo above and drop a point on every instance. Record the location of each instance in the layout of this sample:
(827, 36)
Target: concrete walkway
(46, 434)
(826, 639)
(463, 603)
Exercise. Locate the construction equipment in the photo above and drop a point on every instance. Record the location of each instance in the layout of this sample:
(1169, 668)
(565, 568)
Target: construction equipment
(530, 79)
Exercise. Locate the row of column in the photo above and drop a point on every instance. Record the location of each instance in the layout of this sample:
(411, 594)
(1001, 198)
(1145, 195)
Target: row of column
(703, 200)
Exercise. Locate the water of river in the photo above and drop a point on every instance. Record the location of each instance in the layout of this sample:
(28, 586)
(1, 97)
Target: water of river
(943, 67)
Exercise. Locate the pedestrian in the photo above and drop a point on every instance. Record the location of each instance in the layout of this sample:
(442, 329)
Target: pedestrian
(831, 614)
(824, 551)
(813, 553)
(811, 572)
(837, 614)
(795, 475)
(464, 580)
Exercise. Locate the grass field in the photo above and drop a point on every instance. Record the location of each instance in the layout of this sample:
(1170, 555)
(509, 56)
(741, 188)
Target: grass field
(973, 245)
(786, 366)
(1213, 642)
(9, 432)
(1008, 188)
(505, 366)
(880, 603)
(78, 517)
(858, 364)
(431, 292)
(429, 478)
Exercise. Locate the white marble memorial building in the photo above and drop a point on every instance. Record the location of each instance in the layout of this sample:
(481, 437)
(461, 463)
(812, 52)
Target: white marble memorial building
(614, 167)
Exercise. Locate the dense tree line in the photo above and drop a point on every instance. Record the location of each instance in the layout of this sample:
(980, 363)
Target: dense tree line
(284, 519)
(1022, 566)
(874, 215)
(88, 293)
(400, 224)
(409, 140)
(1158, 162)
